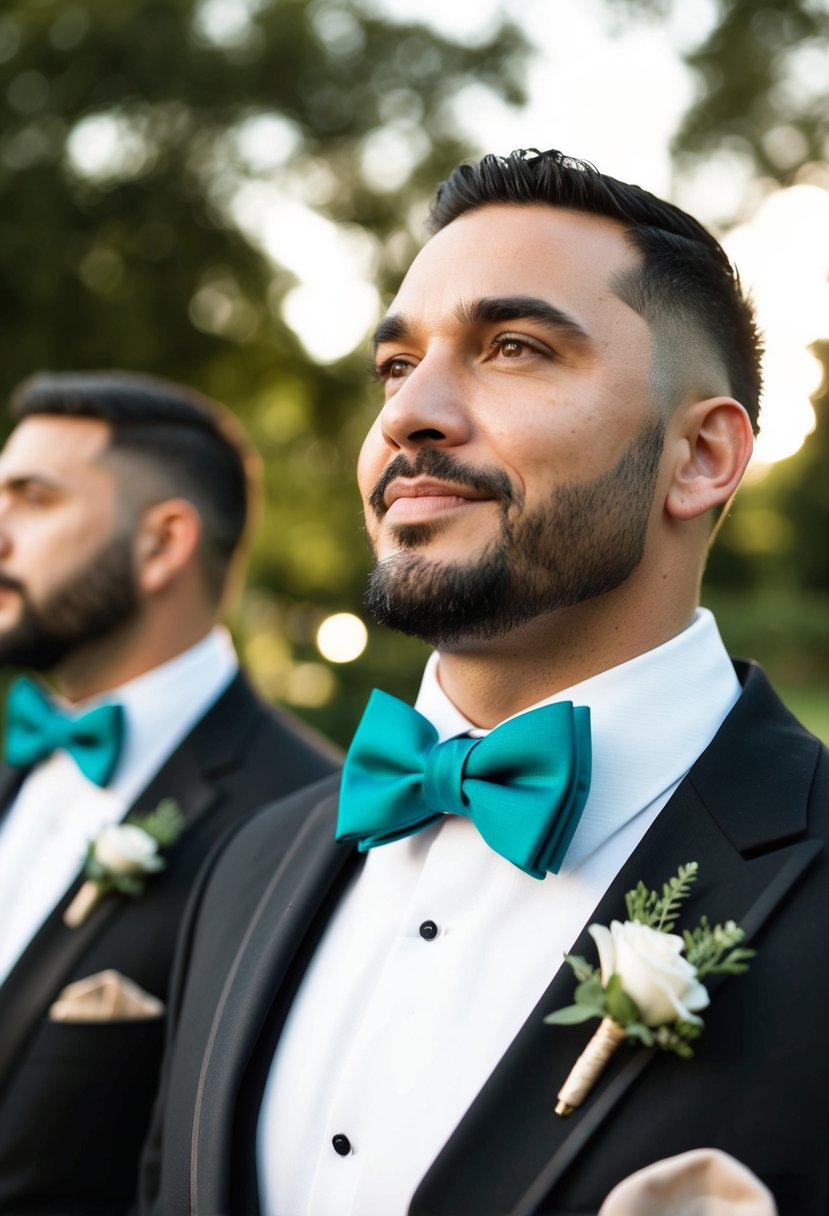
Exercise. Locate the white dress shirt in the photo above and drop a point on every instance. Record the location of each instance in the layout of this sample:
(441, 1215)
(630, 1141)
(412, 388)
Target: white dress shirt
(392, 1033)
(58, 811)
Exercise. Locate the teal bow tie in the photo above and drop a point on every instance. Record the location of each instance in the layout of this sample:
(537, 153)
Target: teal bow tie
(524, 785)
(35, 728)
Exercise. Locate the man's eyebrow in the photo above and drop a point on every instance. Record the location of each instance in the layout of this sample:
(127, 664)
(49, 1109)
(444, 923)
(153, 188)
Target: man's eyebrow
(22, 481)
(391, 329)
(395, 327)
(517, 308)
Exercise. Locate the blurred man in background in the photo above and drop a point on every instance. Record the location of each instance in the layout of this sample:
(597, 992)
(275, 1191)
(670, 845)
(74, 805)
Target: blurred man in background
(124, 504)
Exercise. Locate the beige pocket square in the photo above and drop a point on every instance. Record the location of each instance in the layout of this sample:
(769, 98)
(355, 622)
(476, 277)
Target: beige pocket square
(105, 997)
(703, 1182)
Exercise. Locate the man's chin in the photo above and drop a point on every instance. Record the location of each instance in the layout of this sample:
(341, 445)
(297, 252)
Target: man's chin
(426, 562)
(440, 599)
(24, 645)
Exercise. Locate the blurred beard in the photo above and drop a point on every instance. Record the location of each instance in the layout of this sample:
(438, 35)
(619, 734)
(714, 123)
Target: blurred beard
(585, 541)
(90, 605)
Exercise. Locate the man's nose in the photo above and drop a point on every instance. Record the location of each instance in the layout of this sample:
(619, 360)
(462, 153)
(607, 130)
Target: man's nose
(429, 407)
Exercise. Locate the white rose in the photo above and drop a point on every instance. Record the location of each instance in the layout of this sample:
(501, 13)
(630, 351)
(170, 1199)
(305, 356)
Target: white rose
(653, 973)
(126, 849)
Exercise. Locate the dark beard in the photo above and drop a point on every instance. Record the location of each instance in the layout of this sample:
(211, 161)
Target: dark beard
(90, 605)
(586, 541)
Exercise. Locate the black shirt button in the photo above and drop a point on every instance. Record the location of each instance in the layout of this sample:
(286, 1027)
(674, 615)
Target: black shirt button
(342, 1144)
(429, 930)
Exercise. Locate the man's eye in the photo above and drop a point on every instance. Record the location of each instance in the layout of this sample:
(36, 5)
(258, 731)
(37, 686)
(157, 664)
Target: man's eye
(33, 494)
(393, 369)
(515, 346)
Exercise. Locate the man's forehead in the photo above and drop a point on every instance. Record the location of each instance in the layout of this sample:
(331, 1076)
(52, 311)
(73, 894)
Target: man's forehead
(512, 228)
(55, 441)
(532, 250)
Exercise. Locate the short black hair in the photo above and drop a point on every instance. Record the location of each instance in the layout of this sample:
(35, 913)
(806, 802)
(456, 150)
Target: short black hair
(196, 446)
(684, 278)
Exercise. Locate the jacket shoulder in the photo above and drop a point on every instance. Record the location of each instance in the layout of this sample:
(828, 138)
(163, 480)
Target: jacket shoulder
(269, 831)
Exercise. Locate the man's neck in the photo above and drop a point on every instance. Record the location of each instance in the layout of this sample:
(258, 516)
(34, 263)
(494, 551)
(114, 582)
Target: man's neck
(97, 669)
(490, 681)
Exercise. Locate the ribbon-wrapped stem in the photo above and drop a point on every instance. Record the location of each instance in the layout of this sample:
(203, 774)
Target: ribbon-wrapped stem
(588, 1067)
(85, 900)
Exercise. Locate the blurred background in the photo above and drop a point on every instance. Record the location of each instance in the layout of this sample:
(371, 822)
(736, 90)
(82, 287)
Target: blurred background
(226, 192)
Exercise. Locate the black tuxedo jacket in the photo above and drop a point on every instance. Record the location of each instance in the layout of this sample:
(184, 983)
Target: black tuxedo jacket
(753, 811)
(76, 1098)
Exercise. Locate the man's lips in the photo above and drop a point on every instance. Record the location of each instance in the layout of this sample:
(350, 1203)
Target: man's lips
(405, 500)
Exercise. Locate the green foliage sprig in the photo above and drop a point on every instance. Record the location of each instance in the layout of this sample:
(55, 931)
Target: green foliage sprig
(705, 947)
(661, 911)
(164, 824)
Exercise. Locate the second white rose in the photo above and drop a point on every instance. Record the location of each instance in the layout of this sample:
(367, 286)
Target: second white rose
(126, 849)
(652, 970)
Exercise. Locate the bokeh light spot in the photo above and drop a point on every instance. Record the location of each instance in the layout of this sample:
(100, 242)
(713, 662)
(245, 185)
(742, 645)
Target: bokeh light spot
(341, 638)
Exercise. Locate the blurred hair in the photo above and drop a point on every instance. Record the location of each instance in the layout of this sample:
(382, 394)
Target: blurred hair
(187, 445)
(684, 287)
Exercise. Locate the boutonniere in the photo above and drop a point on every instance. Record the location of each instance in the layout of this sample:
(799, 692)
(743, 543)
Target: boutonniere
(647, 988)
(123, 856)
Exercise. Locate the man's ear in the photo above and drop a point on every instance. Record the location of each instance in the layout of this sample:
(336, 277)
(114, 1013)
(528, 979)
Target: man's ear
(714, 445)
(167, 540)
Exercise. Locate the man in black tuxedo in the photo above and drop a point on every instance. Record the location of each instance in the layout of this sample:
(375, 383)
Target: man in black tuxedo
(571, 382)
(124, 501)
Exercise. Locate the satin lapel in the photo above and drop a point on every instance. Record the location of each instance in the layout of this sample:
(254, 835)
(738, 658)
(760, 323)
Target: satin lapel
(288, 905)
(511, 1148)
(193, 773)
(45, 966)
(187, 779)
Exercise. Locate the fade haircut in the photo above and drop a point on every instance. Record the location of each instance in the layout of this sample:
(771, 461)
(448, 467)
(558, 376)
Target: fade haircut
(684, 287)
(182, 444)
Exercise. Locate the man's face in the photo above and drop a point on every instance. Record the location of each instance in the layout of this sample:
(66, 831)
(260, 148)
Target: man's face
(512, 469)
(66, 562)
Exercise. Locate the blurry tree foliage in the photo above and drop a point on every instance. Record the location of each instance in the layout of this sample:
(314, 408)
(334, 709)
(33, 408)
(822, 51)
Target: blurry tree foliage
(762, 83)
(133, 131)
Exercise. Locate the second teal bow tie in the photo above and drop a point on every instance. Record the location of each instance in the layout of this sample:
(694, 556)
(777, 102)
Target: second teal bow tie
(524, 785)
(35, 728)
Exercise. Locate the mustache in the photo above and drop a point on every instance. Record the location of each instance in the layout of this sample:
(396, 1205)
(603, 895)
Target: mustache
(11, 584)
(434, 462)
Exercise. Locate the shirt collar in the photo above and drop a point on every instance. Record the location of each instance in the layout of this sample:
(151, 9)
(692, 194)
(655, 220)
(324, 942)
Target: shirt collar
(651, 717)
(162, 705)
